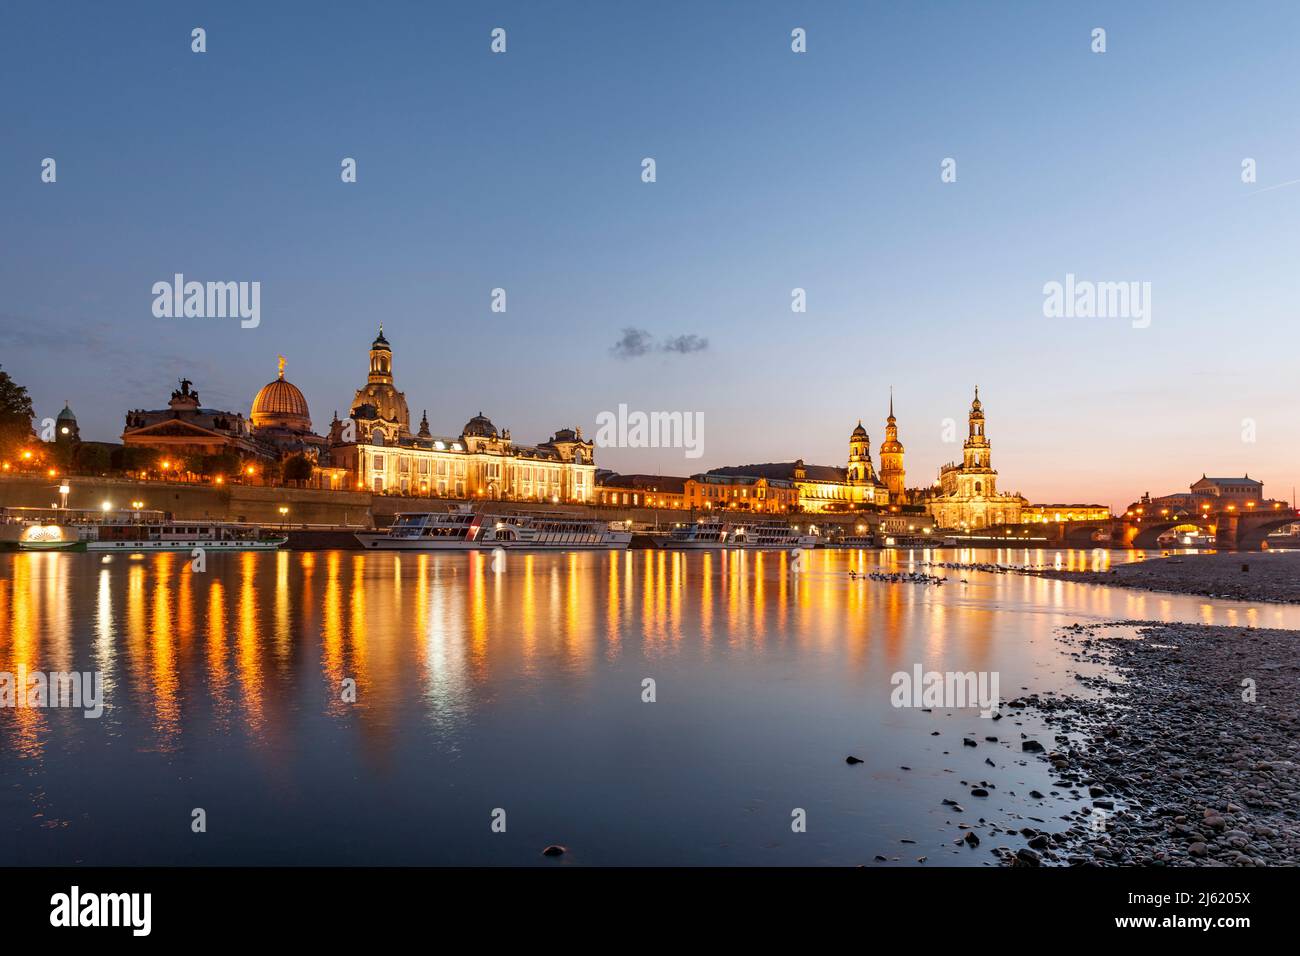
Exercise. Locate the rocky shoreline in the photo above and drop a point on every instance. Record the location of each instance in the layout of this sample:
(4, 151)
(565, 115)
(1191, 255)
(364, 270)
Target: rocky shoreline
(1192, 758)
(1272, 576)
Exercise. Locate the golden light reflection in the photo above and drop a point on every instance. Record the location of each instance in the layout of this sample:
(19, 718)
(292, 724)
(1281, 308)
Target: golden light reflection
(444, 634)
(282, 638)
(218, 671)
(528, 610)
(20, 654)
(163, 669)
(613, 628)
(332, 638)
(358, 634)
(248, 658)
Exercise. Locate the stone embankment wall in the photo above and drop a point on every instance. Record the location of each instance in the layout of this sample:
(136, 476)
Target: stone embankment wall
(261, 505)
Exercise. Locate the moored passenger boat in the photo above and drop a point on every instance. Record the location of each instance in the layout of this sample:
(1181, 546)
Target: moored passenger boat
(851, 541)
(48, 529)
(728, 533)
(462, 529)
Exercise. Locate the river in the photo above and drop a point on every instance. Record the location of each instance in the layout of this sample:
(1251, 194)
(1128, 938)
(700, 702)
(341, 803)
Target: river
(374, 708)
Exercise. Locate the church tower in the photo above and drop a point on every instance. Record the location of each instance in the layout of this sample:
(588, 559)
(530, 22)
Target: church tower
(977, 469)
(891, 459)
(65, 427)
(381, 360)
(860, 470)
(379, 406)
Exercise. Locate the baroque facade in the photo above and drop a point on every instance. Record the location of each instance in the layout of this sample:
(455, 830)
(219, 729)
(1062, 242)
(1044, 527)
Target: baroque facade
(185, 428)
(967, 494)
(819, 488)
(379, 452)
(829, 488)
(1212, 495)
(278, 427)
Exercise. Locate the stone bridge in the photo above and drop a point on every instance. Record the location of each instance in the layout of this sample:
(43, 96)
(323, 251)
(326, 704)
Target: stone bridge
(1233, 530)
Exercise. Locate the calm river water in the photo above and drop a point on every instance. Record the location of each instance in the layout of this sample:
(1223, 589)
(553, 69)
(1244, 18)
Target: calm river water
(521, 691)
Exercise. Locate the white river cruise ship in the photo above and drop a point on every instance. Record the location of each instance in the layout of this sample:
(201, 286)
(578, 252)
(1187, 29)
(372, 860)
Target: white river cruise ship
(728, 533)
(64, 529)
(463, 529)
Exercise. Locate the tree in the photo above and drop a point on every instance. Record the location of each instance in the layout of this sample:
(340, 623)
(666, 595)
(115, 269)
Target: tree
(16, 416)
(194, 464)
(271, 471)
(223, 465)
(131, 458)
(94, 459)
(297, 468)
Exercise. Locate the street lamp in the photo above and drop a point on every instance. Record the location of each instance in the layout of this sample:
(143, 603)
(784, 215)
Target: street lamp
(283, 511)
(64, 491)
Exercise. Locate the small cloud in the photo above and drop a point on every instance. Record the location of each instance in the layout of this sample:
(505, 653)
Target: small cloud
(686, 344)
(633, 344)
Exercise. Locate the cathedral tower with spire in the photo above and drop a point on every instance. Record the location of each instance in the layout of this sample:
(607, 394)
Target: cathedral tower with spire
(891, 459)
(379, 407)
(967, 496)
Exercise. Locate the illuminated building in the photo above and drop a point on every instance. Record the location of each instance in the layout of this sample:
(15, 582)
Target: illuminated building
(378, 408)
(768, 495)
(1212, 495)
(640, 491)
(184, 428)
(279, 427)
(378, 452)
(891, 459)
(967, 494)
(819, 488)
(281, 420)
(1057, 514)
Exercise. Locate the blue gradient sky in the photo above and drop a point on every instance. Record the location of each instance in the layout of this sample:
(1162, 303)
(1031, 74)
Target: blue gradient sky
(775, 170)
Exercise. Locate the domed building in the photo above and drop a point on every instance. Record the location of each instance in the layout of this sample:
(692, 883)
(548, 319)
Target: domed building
(280, 404)
(480, 426)
(282, 421)
(375, 447)
(65, 427)
(378, 408)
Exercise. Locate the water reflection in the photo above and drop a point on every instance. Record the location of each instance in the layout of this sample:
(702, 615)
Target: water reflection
(523, 676)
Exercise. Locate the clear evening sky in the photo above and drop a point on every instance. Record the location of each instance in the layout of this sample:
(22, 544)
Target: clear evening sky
(775, 170)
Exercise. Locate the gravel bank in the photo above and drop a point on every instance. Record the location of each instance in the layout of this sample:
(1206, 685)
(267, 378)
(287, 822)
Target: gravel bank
(1191, 759)
(1272, 576)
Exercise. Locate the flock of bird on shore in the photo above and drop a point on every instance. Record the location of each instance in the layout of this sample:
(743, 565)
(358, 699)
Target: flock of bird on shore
(922, 577)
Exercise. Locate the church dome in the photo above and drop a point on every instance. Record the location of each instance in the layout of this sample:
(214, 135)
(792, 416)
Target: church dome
(280, 404)
(480, 426)
(66, 415)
